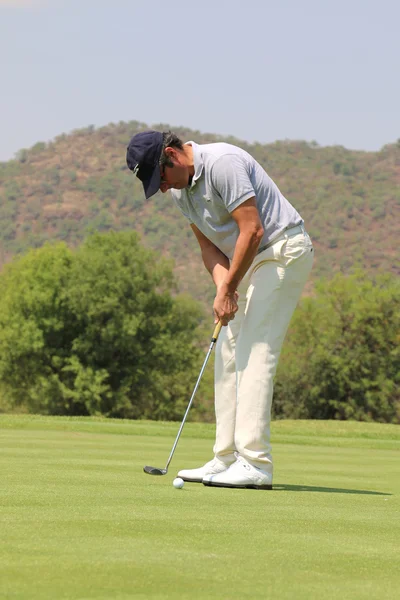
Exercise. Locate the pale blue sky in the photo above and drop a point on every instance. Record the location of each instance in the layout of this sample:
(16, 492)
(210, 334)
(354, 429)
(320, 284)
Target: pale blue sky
(260, 70)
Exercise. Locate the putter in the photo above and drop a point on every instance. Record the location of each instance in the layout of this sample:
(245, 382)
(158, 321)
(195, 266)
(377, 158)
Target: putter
(155, 470)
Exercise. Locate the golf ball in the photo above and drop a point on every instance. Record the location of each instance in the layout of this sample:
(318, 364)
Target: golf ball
(178, 483)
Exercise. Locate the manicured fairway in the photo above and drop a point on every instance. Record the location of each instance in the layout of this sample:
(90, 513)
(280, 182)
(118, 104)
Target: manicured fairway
(80, 520)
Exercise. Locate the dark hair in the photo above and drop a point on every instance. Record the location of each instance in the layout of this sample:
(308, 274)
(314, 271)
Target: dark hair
(169, 140)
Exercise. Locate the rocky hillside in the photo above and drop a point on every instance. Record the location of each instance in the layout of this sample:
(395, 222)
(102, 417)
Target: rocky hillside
(79, 182)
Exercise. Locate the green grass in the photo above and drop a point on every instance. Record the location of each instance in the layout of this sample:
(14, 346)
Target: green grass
(80, 520)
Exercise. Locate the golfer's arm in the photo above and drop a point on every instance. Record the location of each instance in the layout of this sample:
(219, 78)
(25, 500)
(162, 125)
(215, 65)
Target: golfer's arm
(215, 261)
(251, 233)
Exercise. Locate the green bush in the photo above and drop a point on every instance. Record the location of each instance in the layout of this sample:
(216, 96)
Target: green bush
(97, 331)
(342, 357)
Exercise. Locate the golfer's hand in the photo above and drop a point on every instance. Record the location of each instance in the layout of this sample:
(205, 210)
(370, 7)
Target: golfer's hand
(225, 305)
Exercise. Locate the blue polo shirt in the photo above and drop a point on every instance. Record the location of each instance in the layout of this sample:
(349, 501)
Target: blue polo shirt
(226, 176)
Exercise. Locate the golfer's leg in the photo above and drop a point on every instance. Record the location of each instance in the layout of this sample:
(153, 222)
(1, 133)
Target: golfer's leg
(225, 388)
(273, 293)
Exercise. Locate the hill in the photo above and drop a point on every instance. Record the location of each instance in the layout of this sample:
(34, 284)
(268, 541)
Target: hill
(79, 182)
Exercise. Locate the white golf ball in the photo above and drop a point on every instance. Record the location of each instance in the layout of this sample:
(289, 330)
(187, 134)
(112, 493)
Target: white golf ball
(178, 483)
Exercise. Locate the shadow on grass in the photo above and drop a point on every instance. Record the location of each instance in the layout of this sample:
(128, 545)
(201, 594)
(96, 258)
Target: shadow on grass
(327, 490)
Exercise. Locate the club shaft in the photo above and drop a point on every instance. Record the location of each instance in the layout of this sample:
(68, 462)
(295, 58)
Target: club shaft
(214, 339)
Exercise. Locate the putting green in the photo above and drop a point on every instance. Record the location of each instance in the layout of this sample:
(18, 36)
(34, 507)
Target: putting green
(80, 520)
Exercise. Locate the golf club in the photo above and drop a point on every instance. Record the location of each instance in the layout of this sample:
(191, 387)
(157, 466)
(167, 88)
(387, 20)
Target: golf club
(155, 470)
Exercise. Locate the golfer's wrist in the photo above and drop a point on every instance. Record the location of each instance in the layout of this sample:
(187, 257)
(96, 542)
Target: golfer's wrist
(226, 288)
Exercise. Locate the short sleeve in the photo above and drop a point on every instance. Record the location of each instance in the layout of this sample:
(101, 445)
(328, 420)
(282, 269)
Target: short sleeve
(230, 178)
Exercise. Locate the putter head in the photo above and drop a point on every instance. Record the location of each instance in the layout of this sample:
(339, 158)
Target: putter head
(154, 471)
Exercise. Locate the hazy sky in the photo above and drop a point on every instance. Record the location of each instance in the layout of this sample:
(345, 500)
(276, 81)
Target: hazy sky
(257, 69)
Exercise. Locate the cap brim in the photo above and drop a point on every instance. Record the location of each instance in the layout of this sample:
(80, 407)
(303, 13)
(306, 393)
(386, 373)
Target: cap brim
(152, 185)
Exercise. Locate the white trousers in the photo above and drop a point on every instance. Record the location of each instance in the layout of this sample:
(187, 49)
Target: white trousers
(248, 349)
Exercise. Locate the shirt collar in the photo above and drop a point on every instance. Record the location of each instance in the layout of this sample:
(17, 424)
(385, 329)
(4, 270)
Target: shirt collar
(198, 162)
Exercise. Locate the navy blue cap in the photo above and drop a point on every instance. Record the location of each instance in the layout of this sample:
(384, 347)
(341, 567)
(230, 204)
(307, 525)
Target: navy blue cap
(143, 158)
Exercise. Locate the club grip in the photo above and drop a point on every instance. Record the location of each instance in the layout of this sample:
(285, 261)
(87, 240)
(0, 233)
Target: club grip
(216, 331)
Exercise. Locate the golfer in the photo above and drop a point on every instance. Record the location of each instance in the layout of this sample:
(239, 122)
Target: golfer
(254, 245)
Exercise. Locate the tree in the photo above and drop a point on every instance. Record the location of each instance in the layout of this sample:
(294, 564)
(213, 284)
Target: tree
(342, 356)
(97, 331)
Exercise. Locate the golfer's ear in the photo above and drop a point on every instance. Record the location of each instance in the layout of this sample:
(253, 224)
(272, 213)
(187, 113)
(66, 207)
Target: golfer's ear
(172, 154)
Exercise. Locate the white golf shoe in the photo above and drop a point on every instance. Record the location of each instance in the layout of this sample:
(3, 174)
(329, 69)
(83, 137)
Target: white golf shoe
(241, 474)
(211, 468)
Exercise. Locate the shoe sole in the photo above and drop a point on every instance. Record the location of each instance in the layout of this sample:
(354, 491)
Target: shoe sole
(249, 486)
(193, 480)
